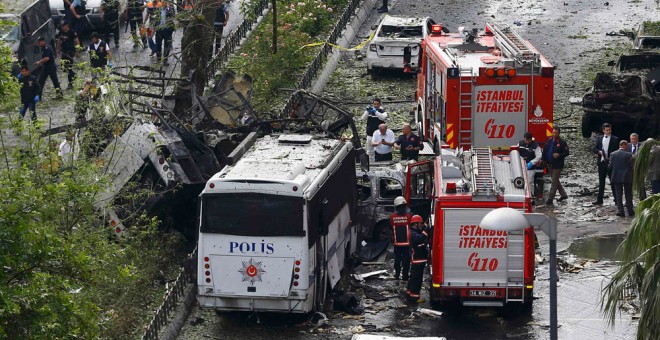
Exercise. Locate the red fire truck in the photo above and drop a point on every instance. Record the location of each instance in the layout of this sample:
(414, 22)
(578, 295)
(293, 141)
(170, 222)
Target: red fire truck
(481, 88)
(470, 265)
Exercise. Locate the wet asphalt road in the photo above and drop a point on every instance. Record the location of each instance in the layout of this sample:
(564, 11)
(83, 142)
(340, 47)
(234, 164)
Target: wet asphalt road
(571, 35)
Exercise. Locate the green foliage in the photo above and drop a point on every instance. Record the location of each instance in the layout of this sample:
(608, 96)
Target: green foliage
(299, 23)
(8, 83)
(640, 255)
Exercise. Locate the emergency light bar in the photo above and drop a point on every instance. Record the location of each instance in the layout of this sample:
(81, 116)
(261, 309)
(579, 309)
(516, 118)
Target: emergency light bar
(436, 29)
(499, 72)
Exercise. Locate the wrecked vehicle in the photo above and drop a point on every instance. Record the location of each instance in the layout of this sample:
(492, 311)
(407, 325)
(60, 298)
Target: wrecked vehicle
(647, 35)
(377, 188)
(645, 63)
(629, 102)
(392, 35)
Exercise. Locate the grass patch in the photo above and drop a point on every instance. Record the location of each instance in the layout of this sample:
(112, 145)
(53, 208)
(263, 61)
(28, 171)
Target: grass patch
(299, 23)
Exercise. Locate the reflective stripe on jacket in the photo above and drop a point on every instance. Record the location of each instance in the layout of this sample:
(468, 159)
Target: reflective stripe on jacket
(401, 229)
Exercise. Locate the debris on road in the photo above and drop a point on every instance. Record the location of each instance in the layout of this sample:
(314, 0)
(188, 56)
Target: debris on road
(387, 337)
(429, 312)
(361, 277)
(574, 266)
(347, 303)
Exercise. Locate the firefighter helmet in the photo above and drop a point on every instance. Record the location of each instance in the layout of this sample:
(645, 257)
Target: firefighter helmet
(399, 201)
(416, 219)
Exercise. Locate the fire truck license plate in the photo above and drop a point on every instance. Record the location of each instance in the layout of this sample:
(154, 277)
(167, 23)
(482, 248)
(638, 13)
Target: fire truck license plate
(483, 293)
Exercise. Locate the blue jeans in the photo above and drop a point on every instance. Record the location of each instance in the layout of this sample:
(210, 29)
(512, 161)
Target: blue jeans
(31, 106)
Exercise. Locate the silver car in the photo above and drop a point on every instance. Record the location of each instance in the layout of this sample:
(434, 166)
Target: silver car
(393, 34)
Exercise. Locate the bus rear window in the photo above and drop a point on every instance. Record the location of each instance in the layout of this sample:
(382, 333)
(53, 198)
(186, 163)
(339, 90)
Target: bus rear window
(252, 214)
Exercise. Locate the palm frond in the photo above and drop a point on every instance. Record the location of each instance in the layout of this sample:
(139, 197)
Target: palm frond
(642, 161)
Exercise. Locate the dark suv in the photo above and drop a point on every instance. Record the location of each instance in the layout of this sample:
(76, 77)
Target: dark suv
(34, 22)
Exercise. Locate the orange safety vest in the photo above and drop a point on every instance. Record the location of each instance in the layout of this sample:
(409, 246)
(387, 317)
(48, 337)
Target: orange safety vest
(188, 4)
(401, 228)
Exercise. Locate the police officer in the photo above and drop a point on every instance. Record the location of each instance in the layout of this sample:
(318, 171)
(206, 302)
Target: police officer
(400, 222)
(374, 115)
(419, 257)
(530, 151)
(67, 41)
(100, 55)
(30, 91)
(110, 16)
(47, 61)
(79, 14)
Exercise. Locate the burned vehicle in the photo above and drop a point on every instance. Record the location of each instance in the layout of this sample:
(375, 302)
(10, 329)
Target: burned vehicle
(647, 36)
(628, 101)
(643, 63)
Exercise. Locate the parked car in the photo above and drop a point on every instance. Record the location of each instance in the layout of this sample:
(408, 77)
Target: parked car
(34, 22)
(628, 101)
(392, 35)
(92, 10)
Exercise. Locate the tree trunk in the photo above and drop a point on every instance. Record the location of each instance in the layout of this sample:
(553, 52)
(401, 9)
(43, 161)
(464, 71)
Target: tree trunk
(196, 44)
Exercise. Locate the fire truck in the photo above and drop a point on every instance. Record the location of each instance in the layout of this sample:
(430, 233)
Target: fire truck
(470, 265)
(481, 88)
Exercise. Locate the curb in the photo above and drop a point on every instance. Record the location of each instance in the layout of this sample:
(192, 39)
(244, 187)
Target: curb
(181, 315)
(347, 37)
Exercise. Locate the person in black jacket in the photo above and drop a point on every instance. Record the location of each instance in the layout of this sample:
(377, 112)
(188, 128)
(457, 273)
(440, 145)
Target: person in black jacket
(554, 153)
(419, 257)
(605, 145)
(30, 91)
(47, 62)
(110, 15)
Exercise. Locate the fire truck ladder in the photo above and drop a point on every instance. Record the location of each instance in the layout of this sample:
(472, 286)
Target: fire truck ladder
(466, 79)
(513, 45)
(482, 172)
(515, 265)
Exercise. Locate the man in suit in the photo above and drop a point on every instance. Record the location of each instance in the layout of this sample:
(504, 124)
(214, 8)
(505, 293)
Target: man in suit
(634, 144)
(620, 164)
(554, 152)
(605, 145)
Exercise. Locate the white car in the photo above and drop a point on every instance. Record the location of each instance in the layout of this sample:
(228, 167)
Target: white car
(92, 10)
(393, 34)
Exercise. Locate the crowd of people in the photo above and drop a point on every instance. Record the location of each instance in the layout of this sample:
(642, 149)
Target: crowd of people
(152, 24)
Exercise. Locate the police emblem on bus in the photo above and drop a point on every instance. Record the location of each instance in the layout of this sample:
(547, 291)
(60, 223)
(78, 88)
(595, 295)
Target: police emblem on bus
(251, 271)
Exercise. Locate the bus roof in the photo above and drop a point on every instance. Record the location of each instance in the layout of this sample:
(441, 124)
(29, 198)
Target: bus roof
(282, 159)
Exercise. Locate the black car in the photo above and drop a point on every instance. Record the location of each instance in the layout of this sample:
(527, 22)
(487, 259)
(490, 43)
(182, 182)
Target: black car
(628, 101)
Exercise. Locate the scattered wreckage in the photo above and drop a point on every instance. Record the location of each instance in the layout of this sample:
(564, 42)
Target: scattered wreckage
(628, 101)
(175, 155)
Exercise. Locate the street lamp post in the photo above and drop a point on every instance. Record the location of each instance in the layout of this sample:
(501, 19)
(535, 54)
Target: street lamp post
(507, 219)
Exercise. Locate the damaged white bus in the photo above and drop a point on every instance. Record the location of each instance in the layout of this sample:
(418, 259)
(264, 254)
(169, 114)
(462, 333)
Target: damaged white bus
(276, 226)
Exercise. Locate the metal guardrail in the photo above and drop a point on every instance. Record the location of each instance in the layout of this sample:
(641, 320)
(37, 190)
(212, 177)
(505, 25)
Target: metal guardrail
(172, 297)
(317, 64)
(233, 40)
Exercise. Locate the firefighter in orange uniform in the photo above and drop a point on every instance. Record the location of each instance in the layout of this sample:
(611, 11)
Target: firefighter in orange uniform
(400, 222)
(419, 257)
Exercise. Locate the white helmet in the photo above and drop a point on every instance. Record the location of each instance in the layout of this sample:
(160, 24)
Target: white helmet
(399, 201)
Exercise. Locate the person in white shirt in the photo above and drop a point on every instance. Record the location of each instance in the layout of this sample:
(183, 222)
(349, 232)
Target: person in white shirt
(605, 145)
(66, 150)
(374, 116)
(382, 141)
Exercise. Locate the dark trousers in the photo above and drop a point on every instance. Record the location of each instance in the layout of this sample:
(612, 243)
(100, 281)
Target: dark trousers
(218, 36)
(602, 173)
(384, 3)
(655, 186)
(164, 42)
(136, 24)
(79, 25)
(621, 189)
(67, 66)
(416, 278)
(382, 157)
(49, 71)
(402, 258)
(112, 27)
(29, 106)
